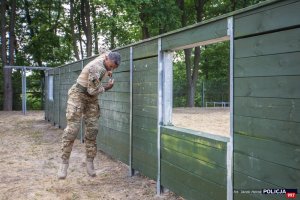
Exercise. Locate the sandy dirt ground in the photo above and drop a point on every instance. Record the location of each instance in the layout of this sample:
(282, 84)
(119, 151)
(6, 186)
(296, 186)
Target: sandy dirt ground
(29, 160)
(215, 120)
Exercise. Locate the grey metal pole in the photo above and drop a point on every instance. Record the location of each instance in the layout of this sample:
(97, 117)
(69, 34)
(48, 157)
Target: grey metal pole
(24, 90)
(159, 112)
(131, 170)
(230, 143)
(81, 120)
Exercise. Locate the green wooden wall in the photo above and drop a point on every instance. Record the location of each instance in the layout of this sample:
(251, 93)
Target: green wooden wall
(113, 136)
(266, 105)
(192, 165)
(267, 99)
(144, 110)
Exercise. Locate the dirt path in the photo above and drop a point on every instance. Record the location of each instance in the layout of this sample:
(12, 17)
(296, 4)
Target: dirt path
(29, 159)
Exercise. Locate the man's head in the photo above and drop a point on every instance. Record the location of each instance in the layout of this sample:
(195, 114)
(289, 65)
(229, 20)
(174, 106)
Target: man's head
(112, 61)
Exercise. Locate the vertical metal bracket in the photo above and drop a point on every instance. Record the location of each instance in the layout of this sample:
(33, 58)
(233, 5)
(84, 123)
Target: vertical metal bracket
(131, 170)
(230, 143)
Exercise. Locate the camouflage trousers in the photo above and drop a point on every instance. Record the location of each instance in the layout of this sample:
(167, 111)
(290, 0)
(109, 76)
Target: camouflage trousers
(80, 104)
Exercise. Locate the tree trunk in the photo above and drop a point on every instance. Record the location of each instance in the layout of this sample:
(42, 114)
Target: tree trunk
(113, 33)
(95, 27)
(143, 18)
(3, 41)
(86, 25)
(72, 26)
(8, 91)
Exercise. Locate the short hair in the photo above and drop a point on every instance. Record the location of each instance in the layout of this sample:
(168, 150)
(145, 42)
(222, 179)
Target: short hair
(115, 56)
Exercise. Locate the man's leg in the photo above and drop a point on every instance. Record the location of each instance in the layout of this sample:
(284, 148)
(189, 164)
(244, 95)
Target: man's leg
(73, 115)
(92, 114)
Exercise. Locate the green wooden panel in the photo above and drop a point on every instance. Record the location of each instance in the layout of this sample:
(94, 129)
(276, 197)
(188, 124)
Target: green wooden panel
(245, 182)
(144, 88)
(145, 76)
(279, 87)
(270, 65)
(267, 171)
(123, 67)
(140, 156)
(144, 169)
(120, 86)
(115, 116)
(203, 169)
(121, 76)
(144, 122)
(116, 96)
(204, 188)
(204, 32)
(146, 111)
(125, 53)
(116, 125)
(273, 43)
(145, 49)
(270, 108)
(202, 152)
(140, 132)
(144, 145)
(268, 150)
(114, 106)
(146, 64)
(271, 19)
(114, 143)
(145, 99)
(189, 136)
(281, 131)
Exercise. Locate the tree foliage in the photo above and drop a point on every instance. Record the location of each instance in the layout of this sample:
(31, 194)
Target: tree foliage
(53, 32)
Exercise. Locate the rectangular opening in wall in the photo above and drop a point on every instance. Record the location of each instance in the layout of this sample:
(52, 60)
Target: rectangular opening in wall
(50, 88)
(201, 88)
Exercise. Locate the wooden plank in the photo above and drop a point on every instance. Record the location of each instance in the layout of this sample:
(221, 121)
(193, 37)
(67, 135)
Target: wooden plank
(145, 88)
(270, 65)
(208, 31)
(116, 96)
(121, 76)
(179, 188)
(203, 169)
(209, 189)
(143, 133)
(270, 108)
(245, 182)
(145, 99)
(145, 76)
(147, 159)
(142, 144)
(144, 169)
(282, 176)
(115, 116)
(195, 150)
(145, 49)
(273, 43)
(114, 106)
(281, 131)
(184, 135)
(120, 86)
(144, 122)
(146, 111)
(278, 87)
(270, 19)
(125, 53)
(116, 125)
(268, 150)
(147, 64)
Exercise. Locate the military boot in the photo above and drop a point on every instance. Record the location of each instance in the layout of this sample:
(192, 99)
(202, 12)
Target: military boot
(62, 172)
(90, 167)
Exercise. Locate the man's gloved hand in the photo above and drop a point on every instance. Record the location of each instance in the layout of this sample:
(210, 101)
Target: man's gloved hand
(109, 84)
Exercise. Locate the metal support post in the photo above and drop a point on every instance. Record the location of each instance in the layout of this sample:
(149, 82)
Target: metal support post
(131, 170)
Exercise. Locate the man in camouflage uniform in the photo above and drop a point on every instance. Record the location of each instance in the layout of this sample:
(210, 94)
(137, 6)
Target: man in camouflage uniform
(83, 101)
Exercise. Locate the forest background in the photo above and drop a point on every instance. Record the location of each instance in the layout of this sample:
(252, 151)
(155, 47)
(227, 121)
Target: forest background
(51, 33)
